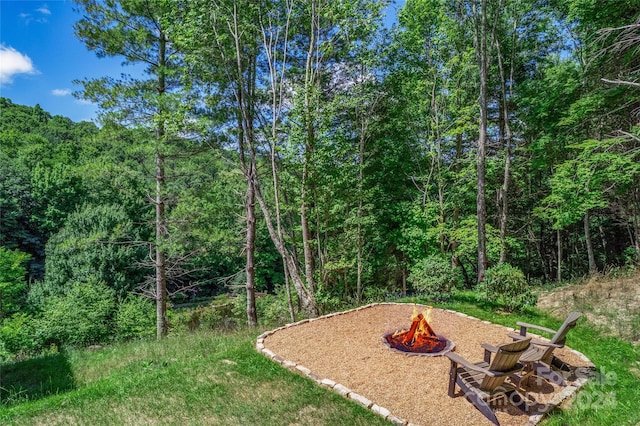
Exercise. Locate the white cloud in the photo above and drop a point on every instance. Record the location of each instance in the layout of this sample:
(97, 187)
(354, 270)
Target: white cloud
(61, 92)
(44, 9)
(26, 17)
(12, 63)
(41, 16)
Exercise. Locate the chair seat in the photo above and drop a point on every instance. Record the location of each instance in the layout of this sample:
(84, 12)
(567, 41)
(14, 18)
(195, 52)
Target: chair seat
(482, 382)
(533, 354)
(473, 380)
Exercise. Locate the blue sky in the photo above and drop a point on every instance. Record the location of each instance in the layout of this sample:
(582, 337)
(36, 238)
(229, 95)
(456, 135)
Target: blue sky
(40, 57)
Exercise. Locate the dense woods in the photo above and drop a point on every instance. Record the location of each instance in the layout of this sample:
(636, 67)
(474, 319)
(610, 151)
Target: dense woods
(304, 150)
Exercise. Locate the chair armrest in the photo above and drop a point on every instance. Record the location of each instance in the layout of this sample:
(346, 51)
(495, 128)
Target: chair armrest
(547, 344)
(515, 336)
(523, 328)
(490, 348)
(457, 359)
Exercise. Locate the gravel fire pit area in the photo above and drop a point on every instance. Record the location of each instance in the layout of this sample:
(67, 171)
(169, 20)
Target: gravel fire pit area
(345, 352)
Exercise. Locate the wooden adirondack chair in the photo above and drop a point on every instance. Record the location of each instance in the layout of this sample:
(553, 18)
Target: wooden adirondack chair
(539, 357)
(483, 382)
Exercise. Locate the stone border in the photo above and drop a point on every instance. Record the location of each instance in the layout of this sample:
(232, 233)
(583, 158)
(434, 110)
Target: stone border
(565, 394)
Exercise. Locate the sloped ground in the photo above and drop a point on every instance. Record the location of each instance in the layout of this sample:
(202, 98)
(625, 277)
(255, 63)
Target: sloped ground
(612, 303)
(348, 349)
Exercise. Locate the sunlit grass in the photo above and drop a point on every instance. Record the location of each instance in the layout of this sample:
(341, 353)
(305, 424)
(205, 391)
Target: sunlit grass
(200, 378)
(211, 377)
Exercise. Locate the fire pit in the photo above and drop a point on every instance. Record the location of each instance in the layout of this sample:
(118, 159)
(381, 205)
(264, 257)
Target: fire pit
(420, 339)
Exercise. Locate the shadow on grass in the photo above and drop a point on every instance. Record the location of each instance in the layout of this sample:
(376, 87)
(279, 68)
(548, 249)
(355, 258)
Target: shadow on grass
(35, 378)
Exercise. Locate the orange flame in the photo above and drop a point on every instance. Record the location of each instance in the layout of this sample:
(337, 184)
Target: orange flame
(420, 337)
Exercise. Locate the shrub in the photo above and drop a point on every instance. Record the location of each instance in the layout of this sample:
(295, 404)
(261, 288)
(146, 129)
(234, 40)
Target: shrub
(374, 294)
(12, 284)
(506, 285)
(83, 316)
(40, 293)
(271, 309)
(435, 278)
(95, 242)
(327, 300)
(274, 309)
(17, 336)
(135, 318)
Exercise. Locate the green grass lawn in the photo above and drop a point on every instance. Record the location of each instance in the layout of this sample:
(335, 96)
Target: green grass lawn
(195, 379)
(214, 378)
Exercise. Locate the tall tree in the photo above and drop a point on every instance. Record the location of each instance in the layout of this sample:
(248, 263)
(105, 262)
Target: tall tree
(480, 15)
(152, 101)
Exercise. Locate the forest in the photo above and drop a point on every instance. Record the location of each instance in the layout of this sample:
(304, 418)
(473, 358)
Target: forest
(305, 151)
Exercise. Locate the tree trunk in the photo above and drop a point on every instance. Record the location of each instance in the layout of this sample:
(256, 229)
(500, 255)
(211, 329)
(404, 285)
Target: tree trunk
(587, 239)
(277, 77)
(160, 223)
(456, 210)
(306, 236)
(306, 296)
(244, 94)
(160, 261)
(364, 126)
(250, 244)
(559, 242)
(503, 191)
(292, 313)
(635, 223)
(309, 86)
(482, 56)
(404, 280)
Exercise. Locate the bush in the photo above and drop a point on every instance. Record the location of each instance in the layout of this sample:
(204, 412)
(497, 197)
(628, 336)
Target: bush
(95, 242)
(506, 285)
(271, 309)
(135, 318)
(274, 308)
(40, 294)
(435, 278)
(12, 284)
(18, 336)
(372, 294)
(83, 316)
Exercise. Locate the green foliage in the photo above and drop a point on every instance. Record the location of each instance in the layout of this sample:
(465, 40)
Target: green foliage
(96, 241)
(58, 189)
(506, 285)
(18, 335)
(135, 318)
(16, 204)
(39, 291)
(591, 180)
(435, 278)
(12, 280)
(274, 308)
(327, 299)
(374, 294)
(220, 314)
(271, 309)
(82, 316)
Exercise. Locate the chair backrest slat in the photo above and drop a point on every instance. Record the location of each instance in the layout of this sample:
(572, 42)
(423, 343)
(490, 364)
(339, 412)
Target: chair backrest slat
(561, 335)
(505, 359)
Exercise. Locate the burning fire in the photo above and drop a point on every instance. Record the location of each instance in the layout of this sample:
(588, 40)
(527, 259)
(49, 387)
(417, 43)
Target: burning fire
(419, 338)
